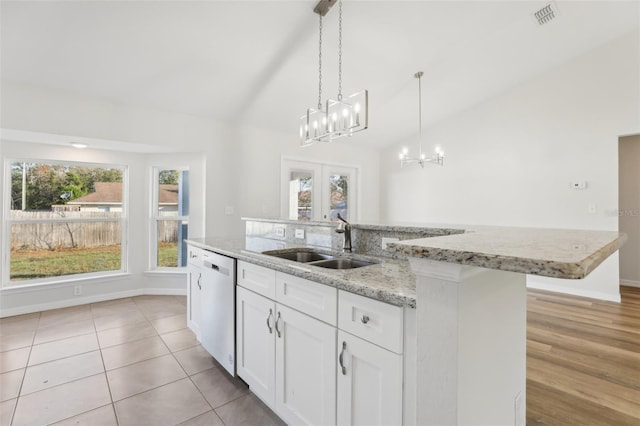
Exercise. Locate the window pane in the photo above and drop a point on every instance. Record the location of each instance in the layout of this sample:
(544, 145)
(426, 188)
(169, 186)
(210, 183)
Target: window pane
(300, 196)
(171, 249)
(42, 250)
(65, 188)
(338, 197)
(173, 196)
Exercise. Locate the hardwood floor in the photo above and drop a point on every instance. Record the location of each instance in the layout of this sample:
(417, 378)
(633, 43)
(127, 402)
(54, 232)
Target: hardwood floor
(583, 359)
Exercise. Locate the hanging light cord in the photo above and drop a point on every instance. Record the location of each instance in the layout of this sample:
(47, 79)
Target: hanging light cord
(320, 66)
(340, 51)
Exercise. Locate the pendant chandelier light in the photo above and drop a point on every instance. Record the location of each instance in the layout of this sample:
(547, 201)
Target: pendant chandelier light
(422, 159)
(341, 117)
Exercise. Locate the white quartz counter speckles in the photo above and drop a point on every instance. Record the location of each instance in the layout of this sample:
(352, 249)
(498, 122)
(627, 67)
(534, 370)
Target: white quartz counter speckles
(548, 252)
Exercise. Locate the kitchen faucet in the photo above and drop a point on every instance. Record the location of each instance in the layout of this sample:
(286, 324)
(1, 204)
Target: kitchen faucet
(345, 228)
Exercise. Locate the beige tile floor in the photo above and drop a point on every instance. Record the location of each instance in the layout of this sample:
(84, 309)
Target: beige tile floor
(123, 362)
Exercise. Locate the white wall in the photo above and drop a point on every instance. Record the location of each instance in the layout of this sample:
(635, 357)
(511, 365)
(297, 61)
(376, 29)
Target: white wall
(510, 159)
(238, 168)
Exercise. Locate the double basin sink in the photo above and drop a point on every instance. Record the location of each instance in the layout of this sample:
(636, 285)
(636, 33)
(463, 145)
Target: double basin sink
(315, 258)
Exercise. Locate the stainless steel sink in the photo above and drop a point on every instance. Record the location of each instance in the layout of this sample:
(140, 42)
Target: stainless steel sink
(322, 260)
(303, 256)
(342, 263)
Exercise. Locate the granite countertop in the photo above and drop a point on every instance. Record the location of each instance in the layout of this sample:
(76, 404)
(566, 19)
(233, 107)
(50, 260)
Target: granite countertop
(557, 253)
(390, 280)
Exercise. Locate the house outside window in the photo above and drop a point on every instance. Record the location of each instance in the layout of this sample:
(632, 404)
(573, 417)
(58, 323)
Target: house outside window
(60, 221)
(170, 218)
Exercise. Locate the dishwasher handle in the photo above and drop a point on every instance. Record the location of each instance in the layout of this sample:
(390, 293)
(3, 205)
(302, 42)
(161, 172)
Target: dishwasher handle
(213, 266)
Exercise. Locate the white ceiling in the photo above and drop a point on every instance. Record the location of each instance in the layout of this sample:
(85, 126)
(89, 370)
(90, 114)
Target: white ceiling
(255, 62)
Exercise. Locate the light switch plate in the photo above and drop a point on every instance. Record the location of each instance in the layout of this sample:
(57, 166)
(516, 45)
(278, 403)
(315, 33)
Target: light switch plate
(299, 234)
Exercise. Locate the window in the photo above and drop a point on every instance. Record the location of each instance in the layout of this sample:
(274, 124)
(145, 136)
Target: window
(63, 219)
(315, 191)
(170, 218)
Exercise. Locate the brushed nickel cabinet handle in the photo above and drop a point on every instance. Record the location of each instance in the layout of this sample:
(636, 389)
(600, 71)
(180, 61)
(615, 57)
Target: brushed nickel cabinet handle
(269, 321)
(341, 360)
(278, 328)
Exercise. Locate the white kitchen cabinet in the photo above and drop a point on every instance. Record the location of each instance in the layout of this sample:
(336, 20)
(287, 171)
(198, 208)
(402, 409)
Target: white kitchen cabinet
(305, 368)
(370, 370)
(255, 343)
(194, 289)
(369, 383)
(286, 357)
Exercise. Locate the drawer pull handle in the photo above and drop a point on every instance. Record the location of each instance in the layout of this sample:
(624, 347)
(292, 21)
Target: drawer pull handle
(269, 321)
(278, 328)
(198, 282)
(341, 360)
(364, 319)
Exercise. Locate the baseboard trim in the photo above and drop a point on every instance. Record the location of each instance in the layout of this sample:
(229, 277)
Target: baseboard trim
(582, 293)
(28, 309)
(630, 283)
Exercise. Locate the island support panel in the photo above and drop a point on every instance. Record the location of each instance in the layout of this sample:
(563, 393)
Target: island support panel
(471, 345)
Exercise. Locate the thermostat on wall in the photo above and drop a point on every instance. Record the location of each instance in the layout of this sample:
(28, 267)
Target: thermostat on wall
(578, 184)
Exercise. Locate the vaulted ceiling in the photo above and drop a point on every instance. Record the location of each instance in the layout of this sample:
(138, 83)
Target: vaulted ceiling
(256, 62)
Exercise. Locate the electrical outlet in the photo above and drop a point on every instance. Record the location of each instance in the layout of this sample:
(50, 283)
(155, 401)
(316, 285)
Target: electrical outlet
(386, 240)
(519, 408)
(77, 290)
(280, 231)
(299, 234)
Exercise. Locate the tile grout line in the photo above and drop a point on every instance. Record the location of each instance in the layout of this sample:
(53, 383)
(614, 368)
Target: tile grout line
(15, 407)
(104, 367)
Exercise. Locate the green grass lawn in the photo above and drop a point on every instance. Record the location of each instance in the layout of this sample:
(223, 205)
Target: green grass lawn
(31, 264)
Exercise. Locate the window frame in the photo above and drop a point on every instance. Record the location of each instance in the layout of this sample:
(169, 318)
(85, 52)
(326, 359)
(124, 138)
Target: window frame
(154, 218)
(7, 222)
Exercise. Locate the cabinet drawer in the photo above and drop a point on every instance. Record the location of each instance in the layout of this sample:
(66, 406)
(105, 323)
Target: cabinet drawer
(372, 320)
(317, 300)
(194, 256)
(257, 278)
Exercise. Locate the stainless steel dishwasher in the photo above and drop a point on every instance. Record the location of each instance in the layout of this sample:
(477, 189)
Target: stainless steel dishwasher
(217, 328)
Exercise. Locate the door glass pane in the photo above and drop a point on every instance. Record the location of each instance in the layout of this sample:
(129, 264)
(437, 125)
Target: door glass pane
(301, 195)
(338, 196)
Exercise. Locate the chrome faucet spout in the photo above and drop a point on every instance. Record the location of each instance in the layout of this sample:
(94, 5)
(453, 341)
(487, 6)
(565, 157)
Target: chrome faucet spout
(345, 228)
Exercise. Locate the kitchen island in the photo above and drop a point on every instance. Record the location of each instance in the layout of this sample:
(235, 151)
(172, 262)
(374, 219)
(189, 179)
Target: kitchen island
(465, 359)
(471, 315)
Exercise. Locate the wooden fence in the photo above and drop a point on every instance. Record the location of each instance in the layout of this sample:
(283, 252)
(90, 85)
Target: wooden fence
(51, 235)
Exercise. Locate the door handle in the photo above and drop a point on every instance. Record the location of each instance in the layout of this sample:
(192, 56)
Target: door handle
(198, 282)
(341, 360)
(278, 328)
(269, 321)
(364, 319)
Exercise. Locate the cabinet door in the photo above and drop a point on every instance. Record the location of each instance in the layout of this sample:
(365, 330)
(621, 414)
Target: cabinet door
(305, 365)
(255, 351)
(194, 295)
(369, 383)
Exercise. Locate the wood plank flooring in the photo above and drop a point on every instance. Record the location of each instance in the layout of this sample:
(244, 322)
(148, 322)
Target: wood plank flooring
(583, 359)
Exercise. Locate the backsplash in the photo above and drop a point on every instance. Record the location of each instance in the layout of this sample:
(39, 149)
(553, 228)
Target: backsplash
(365, 239)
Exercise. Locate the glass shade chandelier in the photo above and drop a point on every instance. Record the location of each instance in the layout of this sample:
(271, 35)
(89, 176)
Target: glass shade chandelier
(421, 159)
(342, 117)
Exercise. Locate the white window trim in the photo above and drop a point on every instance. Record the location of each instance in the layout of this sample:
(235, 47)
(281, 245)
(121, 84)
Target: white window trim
(153, 222)
(7, 222)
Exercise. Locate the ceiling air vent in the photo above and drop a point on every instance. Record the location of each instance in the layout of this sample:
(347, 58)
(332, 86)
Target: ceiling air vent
(546, 14)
